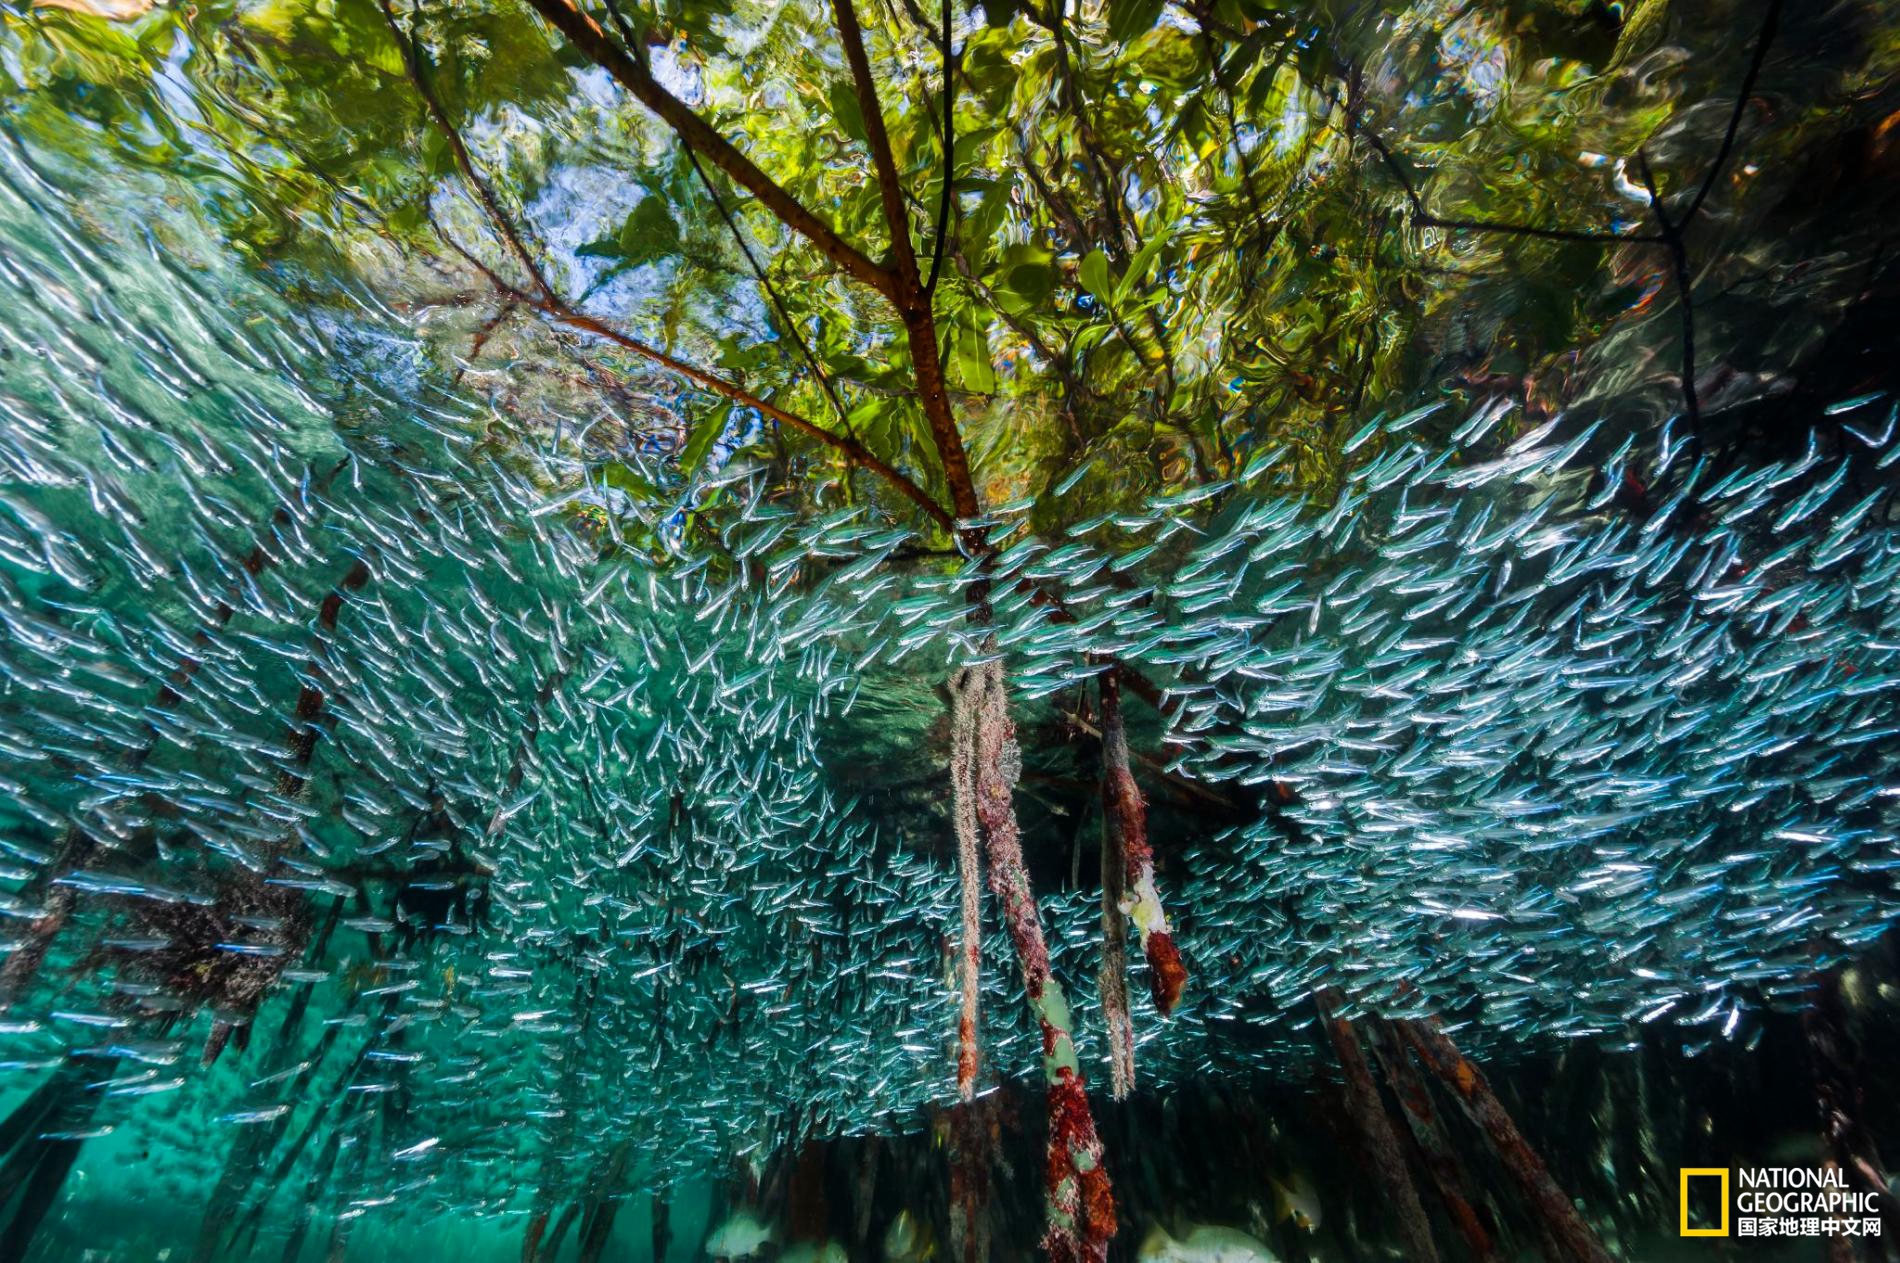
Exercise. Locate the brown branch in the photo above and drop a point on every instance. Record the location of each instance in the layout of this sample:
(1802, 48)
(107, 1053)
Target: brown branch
(412, 63)
(1225, 84)
(1422, 215)
(301, 736)
(1669, 232)
(1847, 1145)
(587, 36)
(1021, 328)
(850, 448)
(482, 336)
(970, 881)
(907, 292)
(1103, 172)
(550, 304)
(1111, 239)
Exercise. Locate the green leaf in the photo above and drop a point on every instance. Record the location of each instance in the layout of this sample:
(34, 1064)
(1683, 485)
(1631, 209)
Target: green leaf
(406, 218)
(987, 65)
(845, 108)
(699, 443)
(973, 357)
(628, 479)
(1315, 62)
(437, 158)
(1027, 280)
(648, 233)
(1138, 266)
(1094, 274)
(872, 422)
(1025, 287)
(1130, 18)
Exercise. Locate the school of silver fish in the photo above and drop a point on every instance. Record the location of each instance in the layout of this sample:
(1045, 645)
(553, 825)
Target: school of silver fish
(1582, 731)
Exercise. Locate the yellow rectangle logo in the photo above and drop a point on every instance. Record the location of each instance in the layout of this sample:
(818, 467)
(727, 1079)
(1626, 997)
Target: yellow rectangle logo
(1718, 1172)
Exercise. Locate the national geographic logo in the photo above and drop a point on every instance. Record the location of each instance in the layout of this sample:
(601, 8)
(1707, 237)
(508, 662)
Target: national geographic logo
(1690, 1173)
(1774, 1202)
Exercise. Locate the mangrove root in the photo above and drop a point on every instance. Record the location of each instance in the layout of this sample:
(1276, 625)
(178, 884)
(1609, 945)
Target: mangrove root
(1375, 1132)
(1570, 1235)
(1080, 1202)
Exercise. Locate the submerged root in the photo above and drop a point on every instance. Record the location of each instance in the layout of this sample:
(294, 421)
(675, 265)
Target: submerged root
(22, 965)
(970, 879)
(1847, 1145)
(1557, 1214)
(1380, 1142)
(40, 1143)
(972, 1144)
(197, 966)
(1080, 1204)
(1447, 1173)
(1125, 816)
(561, 1226)
(531, 1240)
(1112, 978)
(660, 1226)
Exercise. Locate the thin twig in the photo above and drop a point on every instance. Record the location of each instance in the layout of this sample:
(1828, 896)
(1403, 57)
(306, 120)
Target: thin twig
(850, 448)
(1105, 174)
(550, 304)
(482, 336)
(1668, 234)
(949, 145)
(587, 36)
(1771, 22)
(1422, 216)
(412, 62)
(771, 290)
(1247, 274)
(1679, 259)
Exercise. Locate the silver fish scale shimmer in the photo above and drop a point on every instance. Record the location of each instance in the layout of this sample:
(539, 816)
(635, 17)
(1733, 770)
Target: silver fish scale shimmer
(1574, 733)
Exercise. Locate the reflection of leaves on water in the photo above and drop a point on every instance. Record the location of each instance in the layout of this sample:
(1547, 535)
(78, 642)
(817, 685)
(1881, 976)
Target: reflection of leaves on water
(110, 10)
